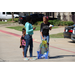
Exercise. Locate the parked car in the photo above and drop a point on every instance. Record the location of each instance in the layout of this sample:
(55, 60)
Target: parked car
(7, 15)
(68, 31)
(35, 18)
(22, 20)
(73, 35)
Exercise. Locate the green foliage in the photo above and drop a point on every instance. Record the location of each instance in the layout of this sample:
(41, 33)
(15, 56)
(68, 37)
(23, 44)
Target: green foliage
(56, 23)
(53, 22)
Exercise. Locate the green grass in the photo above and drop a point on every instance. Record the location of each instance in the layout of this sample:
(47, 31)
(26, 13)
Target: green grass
(59, 35)
(19, 28)
(4, 22)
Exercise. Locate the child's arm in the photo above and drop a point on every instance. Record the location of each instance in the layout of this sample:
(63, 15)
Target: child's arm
(41, 31)
(41, 35)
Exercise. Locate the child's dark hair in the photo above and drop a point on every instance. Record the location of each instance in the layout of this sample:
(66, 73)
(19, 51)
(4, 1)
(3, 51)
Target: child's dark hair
(28, 18)
(23, 30)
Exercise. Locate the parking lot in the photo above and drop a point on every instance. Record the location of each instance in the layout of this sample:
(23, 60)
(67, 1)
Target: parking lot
(60, 49)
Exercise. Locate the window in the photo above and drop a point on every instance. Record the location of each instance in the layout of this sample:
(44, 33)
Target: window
(8, 12)
(3, 12)
(49, 13)
(73, 13)
(16, 12)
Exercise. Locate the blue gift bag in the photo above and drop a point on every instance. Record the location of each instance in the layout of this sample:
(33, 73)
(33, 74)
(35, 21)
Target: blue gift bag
(43, 50)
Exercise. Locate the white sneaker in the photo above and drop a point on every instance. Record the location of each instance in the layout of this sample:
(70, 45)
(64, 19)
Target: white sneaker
(26, 59)
(32, 58)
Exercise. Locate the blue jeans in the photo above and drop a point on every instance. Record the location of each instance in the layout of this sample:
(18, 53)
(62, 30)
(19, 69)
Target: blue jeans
(46, 38)
(29, 42)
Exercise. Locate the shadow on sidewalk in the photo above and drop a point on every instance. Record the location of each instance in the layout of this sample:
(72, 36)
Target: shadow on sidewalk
(71, 41)
(61, 56)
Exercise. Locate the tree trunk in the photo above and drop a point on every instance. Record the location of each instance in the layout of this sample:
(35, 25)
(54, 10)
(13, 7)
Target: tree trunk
(29, 13)
(12, 16)
(53, 15)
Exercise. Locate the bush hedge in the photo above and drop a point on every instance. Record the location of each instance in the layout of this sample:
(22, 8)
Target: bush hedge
(61, 23)
(57, 23)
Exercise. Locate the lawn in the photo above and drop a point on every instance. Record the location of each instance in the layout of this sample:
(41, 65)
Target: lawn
(59, 35)
(4, 22)
(20, 27)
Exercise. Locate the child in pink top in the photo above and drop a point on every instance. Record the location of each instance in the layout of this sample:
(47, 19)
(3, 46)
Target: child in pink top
(22, 40)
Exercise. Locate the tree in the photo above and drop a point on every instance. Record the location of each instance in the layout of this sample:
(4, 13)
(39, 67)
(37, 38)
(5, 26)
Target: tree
(12, 16)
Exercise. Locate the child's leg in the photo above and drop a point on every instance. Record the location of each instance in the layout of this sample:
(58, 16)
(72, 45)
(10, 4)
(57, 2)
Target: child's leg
(48, 45)
(48, 39)
(23, 52)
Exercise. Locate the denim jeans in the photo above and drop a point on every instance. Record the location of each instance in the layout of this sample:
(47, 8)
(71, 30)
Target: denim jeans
(29, 42)
(46, 38)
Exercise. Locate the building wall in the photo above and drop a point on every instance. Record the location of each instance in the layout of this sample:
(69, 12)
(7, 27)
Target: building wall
(63, 16)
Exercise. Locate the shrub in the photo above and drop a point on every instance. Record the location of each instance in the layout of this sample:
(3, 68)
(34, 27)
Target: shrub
(53, 22)
(70, 23)
(56, 23)
(63, 23)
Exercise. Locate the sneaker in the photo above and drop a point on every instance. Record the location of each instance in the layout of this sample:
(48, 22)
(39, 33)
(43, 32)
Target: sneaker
(32, 58)
(26, 59)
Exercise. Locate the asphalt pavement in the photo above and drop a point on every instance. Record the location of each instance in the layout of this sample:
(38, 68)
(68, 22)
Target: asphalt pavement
(60, 49)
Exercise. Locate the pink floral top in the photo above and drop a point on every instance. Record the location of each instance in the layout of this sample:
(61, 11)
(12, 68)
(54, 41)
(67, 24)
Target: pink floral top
(23, 41)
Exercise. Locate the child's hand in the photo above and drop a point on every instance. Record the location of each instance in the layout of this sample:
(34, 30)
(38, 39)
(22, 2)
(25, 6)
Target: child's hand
(50, 28)
(20, 46)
